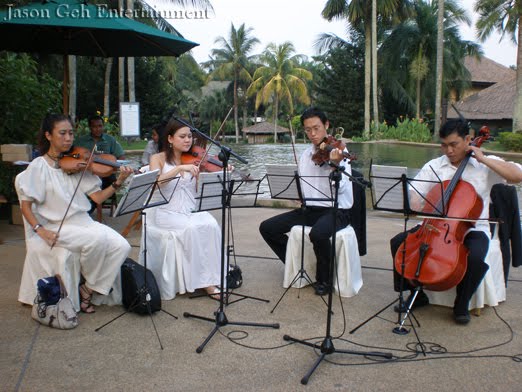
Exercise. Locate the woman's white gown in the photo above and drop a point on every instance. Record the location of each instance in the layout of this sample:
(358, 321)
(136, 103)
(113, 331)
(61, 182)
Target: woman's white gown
(197, 234)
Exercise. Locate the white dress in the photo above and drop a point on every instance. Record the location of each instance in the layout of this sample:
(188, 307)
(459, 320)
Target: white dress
(102, 250)
(198, 233)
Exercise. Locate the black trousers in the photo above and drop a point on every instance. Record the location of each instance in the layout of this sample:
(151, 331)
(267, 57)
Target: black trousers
(275, 229)
(477, 243)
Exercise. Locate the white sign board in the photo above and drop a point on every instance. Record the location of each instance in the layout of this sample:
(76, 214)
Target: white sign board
(129, 119)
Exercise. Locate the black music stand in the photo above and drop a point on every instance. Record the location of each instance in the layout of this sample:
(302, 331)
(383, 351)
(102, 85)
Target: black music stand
(285, 184)
(144, 192)
(391, 192)
(220, 318)
(209, 198)
(326, 347)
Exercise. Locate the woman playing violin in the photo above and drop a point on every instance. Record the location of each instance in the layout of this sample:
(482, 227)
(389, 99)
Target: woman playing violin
(198, 232)
(45, 192)
(315, 184)
(482, 172)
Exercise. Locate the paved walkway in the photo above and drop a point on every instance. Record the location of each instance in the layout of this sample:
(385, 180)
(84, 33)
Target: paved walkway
(125, 355)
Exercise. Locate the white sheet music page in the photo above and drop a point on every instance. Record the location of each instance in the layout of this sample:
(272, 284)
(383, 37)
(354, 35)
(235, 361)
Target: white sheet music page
(282, 181)
(138, 193)
(387, 186)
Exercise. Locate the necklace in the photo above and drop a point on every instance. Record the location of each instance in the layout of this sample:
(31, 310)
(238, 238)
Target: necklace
(55, 160)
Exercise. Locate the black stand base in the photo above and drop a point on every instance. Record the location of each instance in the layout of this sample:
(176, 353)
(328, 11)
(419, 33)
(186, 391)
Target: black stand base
(220, 321)
(301, 274)
(143, 293)
(230, 294)
(327, 348)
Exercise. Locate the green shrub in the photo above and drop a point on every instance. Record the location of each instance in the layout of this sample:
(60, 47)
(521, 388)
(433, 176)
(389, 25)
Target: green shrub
(411, 130)
(510, 141)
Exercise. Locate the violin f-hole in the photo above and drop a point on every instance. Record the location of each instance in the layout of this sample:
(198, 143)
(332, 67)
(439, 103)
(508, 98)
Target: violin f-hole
(446, 240)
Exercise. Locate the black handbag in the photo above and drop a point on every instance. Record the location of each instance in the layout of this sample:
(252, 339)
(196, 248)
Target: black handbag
(134, 292)
(234, 277)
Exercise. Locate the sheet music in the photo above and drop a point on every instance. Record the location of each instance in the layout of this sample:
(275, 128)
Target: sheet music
(281, 181)
(137, 196)
(208, 193)
(387, 191)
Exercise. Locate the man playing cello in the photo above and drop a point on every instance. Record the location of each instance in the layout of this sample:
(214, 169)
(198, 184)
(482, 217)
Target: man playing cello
(482, 172)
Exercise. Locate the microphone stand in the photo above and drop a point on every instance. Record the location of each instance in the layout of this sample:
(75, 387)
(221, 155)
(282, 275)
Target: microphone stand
(327, 346)
(220, 318)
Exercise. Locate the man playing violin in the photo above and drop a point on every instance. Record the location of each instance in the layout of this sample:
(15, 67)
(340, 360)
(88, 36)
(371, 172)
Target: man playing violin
(482, 172)
(316, 214)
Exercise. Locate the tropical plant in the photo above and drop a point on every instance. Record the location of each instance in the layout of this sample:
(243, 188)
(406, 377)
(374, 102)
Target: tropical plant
(279, 80)
(359, 14)
(26, 96)
(504, 16)
(340, 87)
(232, 61)
(413, 45)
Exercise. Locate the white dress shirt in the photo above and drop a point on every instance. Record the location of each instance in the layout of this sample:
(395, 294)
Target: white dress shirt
(315, 182)
(481, 177)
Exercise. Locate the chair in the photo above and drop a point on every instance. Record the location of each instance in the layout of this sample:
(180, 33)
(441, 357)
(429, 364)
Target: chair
(111, 203)
(163, 257)
(492, 289)
(348, 275)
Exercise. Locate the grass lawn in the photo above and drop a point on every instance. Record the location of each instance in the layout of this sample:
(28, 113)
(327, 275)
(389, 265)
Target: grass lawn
(133, 145)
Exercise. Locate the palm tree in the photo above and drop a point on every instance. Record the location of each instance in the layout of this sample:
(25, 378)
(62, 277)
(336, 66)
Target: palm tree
(232, 61)
(440, 61)
(359, 13)
(280, 80)
(504, 16)
(412, 41)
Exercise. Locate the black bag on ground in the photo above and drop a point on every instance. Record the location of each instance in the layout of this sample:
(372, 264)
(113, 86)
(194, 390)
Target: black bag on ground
(133, 290)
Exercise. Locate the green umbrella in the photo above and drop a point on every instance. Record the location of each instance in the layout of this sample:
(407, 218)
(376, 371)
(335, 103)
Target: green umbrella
(76, 28)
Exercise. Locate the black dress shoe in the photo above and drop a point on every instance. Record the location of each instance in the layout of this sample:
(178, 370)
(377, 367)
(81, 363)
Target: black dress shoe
(461, 316)
(421, 300)
(322, 288)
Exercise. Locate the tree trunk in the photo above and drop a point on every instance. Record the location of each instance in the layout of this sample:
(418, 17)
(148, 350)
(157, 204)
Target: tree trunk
(374, 64)
(417, 104)
(121, 64)
(72, 87)
(367, 78)
(276, 109)
(106, 88)
(236, 125)
(130, 61)
(439, 66)
(131, 79)
(517, 113)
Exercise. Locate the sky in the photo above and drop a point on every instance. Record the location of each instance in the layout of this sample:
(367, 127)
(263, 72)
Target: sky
(297, 21)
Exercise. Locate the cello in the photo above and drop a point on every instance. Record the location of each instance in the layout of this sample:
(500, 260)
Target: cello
(435, 256)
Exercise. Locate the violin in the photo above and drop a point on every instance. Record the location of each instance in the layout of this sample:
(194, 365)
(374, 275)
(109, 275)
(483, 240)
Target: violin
(198, 156)
(77, 158)
(322, 153)
(434, 256)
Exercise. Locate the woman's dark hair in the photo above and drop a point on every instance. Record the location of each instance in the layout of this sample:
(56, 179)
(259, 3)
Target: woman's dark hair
(170, 130)
(47, 126)
(460, 127)
(313, 112)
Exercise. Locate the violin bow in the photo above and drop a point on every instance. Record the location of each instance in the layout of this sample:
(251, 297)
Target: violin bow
(215, 136)
(74, 194)
(292, 138)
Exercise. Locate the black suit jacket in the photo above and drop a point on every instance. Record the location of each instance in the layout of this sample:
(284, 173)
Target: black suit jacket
(358, 213)
(504, 206)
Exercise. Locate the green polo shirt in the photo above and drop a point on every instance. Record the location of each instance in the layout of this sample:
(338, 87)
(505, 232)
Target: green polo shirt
(106, 145)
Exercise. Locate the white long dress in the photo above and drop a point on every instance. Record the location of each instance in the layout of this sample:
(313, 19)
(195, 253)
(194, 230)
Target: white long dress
(102, 250)
(198, 233)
